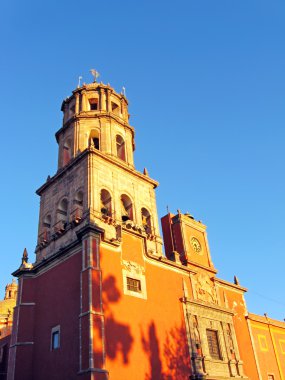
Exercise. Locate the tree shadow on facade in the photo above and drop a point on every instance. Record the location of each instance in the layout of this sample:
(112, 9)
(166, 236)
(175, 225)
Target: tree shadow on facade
(176, 354)
(151, 348)
(119, 340)
(175, 363)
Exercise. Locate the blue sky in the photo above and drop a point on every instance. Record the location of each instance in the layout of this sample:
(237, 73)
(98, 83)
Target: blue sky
(206, 86)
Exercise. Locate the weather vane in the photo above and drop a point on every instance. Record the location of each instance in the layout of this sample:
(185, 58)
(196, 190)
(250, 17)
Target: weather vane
(95, 74)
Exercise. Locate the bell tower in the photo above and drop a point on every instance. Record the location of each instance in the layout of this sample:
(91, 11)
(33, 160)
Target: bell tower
(97, 224)
(96, 179)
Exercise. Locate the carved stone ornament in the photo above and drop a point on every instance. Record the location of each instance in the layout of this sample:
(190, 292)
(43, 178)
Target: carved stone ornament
(133, 267)
(205, 289)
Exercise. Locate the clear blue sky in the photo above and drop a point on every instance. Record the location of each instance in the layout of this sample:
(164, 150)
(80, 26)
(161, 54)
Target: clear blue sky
(206, 85)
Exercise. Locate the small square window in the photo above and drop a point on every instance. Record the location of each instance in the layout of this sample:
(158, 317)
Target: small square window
(270, 377)
(134, 285)
(55, 338)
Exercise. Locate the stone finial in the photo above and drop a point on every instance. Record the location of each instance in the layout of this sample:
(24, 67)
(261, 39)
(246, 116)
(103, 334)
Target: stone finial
(25, 264)
(236, 280)
(145, 172)
(25, 257)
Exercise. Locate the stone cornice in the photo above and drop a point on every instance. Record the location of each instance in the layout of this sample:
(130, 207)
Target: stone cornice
(265, 320)
(205, 305)
(166, 262)
(206, 268)
(93, 115)
(78, 158)
(46, 261)
(230, 285)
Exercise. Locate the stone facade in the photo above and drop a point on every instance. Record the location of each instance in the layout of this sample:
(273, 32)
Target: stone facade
(101, 299)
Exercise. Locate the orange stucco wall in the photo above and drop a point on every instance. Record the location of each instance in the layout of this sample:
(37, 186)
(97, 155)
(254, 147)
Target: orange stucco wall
(146, 338)
(269, 343)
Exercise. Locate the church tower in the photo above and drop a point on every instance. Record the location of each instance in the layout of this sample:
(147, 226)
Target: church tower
(96, 180)
(96, 208)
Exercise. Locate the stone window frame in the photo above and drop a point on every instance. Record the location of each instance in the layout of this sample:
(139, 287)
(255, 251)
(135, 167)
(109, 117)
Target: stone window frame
(136, 276)
(55, 330)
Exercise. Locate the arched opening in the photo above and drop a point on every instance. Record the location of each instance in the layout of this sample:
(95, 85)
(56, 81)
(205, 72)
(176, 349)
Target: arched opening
(146, 220)
(126, 208)
(78, 199)
(47, 221)
(94, 139)
(66, 152)
(94, 104)
(77, 212)
(106, 203)
(45, 235)
(61, 215)
(115, 108)
(121, 151)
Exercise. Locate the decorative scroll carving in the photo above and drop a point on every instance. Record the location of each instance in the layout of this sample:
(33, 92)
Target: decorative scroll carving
(205, 289)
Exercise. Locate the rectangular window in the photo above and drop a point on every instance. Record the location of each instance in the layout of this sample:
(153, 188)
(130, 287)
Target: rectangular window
(270, 377)
(213, 343)
(55, 338)
(133, 285)
(93, 103)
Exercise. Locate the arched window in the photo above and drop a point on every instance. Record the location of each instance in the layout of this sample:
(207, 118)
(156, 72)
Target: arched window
(45, 235)
(61, 216)
(66, 152)
(146, 220)
(77, 212)
(62, 210)
(47, 221)
(121, 151)
(106, 203)
(94, 138)
(126, 208)
(78, 200)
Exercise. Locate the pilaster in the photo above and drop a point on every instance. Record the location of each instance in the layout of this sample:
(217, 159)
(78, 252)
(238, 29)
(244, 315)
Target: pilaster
(91, 318)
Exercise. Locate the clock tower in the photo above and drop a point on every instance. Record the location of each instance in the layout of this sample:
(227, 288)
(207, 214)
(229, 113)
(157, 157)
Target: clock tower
(186, 240)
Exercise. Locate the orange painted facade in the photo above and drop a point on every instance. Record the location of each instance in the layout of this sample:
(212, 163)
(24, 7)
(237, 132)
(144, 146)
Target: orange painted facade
(102, 301)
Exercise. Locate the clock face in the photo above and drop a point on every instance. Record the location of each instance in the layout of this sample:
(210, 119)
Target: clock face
(196, 245)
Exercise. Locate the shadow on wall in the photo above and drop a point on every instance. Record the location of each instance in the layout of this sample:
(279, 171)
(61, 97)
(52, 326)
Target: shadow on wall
(175, 354)
(118, 337)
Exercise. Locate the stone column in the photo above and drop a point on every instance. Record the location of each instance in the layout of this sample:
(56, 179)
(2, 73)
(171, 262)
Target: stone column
(102, 100)
(109, 109)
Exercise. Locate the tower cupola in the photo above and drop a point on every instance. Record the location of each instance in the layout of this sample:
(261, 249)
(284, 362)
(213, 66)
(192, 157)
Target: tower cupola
(95, 114)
